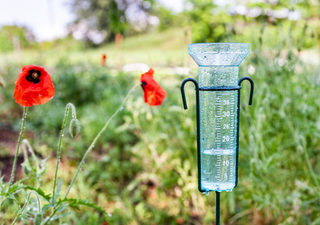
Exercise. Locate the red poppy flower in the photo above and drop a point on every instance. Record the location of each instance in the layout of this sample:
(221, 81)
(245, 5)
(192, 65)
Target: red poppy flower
(103, 59)
(154, 94)
(33, 86)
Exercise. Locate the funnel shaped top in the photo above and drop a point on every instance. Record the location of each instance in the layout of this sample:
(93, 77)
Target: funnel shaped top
(219, 54)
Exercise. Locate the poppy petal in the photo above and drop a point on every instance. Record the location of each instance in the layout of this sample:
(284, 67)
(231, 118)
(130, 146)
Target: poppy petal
(154, 94)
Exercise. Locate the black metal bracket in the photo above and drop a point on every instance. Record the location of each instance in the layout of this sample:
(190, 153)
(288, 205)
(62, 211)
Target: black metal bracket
(238, 120)
(198, 123)
(251, 89)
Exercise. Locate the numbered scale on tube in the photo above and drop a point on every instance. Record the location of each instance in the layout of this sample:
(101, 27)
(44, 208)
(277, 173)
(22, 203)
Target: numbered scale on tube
(217, 137)
(217, 113)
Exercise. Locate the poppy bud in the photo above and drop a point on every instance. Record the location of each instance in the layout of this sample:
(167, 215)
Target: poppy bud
(38, 219)
(25, 169)
(74, 127)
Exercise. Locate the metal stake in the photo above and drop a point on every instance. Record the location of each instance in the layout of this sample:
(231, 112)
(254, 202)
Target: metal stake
(217, 208)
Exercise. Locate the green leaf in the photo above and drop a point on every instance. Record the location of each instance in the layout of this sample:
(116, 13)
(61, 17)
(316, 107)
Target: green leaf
(43, 166)
(62, 207)
(24, 220)
(58, 189)
(15, 188)
(40, 192)
(76, 203)
(12, 198)
(46, 207)
(59, 216)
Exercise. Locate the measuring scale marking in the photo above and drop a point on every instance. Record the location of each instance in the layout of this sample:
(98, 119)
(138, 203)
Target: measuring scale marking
(218, 149)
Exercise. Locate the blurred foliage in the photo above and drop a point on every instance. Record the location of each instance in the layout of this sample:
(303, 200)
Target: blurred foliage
(112, 16)
(98, 15)
(212, 23)
(65, 44)
(21, 37)
(166, 16)
(205, 26)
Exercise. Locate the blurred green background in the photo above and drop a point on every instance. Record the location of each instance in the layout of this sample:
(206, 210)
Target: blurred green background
(143, 169)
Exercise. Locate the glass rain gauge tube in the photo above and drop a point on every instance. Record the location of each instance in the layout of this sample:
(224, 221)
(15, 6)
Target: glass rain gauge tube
(218, 107)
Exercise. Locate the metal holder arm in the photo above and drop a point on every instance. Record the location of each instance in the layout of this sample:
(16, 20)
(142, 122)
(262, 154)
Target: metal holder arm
(183, 94)
(251, 89)
(238, 119)
(198, 123)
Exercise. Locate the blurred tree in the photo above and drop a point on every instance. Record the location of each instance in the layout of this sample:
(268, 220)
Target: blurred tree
(166, 16)
(11, 35)
(100, 20)
(206, 26)
(217, 23)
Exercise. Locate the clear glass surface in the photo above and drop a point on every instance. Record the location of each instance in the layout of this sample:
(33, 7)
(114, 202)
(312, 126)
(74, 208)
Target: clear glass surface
(218, 67)
(219, 54)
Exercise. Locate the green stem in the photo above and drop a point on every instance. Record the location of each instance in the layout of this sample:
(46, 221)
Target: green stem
(52, 214)
(25, 147)
(18, 145)
(25, 154)
(25, 143)
(315, 180)
(96, 138)
(26, 203)
(69, 105)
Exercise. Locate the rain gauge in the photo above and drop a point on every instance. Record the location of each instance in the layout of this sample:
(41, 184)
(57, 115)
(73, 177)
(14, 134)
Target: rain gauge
(217, 108)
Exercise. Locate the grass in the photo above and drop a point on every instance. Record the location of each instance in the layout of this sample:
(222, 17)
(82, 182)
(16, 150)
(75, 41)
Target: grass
(143, 169)
(155, 48)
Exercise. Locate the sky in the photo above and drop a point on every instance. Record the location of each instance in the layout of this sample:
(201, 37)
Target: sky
(47, 19)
